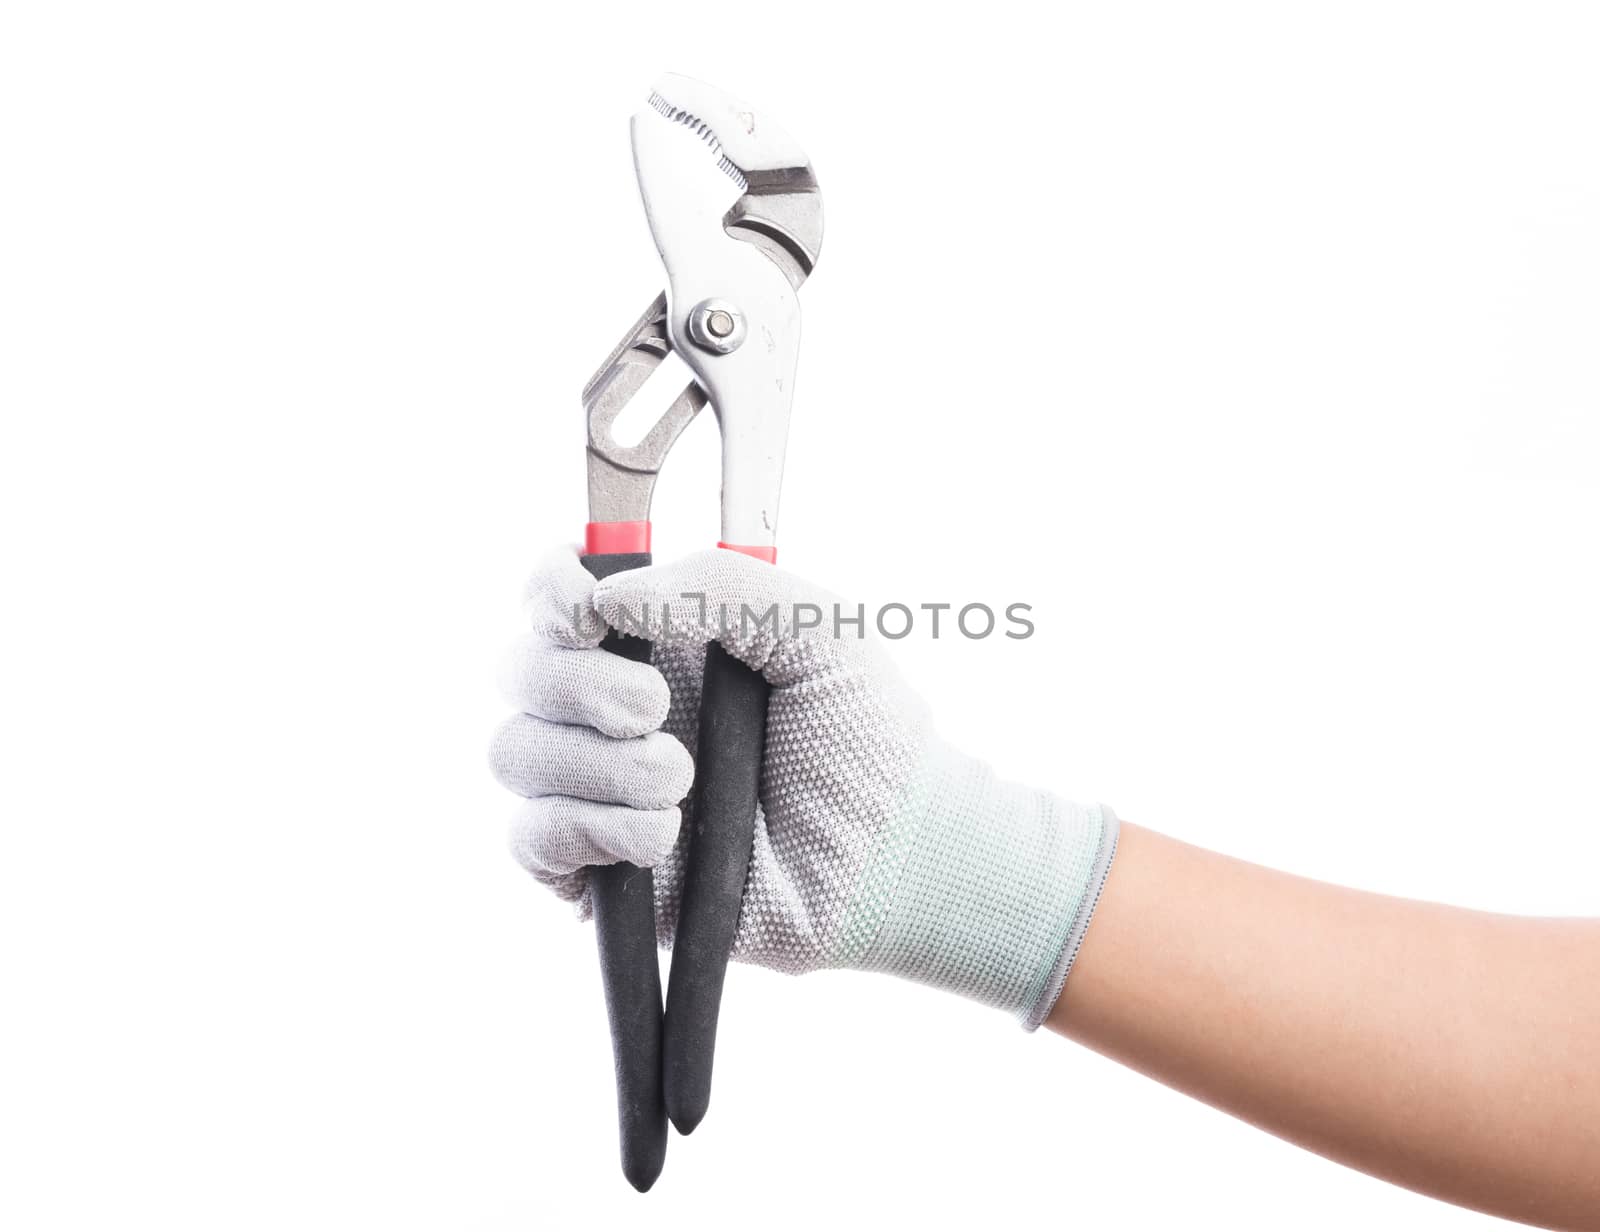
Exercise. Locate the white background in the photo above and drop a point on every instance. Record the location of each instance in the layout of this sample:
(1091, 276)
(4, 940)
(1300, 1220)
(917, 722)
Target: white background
(1255, 345)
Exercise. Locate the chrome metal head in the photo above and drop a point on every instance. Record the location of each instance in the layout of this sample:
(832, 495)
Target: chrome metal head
(780, 206)
(737, 218)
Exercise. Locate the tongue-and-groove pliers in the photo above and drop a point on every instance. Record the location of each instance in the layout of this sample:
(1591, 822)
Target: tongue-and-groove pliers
(737, 218)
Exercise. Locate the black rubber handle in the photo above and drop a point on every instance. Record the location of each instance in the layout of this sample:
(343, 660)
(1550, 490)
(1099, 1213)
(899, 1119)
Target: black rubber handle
(625, 929)
(727, 781)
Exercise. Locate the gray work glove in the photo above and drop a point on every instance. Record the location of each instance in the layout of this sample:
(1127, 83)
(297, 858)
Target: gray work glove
(877, 846)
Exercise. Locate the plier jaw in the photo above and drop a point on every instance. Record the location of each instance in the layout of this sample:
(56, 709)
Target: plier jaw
(737, 219)
(737, 233)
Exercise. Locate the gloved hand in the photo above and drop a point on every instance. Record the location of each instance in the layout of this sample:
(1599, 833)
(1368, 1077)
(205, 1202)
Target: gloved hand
(877, 846)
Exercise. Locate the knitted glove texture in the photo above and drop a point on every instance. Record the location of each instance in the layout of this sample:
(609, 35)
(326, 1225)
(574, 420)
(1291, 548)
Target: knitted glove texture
(877, 846)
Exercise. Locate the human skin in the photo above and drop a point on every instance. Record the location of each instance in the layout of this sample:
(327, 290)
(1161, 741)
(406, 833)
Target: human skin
(1454, 1052)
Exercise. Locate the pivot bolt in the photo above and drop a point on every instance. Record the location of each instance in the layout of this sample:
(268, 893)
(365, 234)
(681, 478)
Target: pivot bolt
(717, 326)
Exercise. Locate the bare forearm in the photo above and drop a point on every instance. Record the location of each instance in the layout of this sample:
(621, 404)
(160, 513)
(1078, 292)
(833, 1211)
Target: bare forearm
(1451, 1051)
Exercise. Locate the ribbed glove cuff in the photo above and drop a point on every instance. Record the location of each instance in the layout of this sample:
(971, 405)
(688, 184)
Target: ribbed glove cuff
(984, 888)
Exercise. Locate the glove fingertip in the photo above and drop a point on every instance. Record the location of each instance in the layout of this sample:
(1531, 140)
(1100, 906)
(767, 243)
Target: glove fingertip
(525, 839)
(656, 835)
(655, 701)
(558, 600)
(674, 765)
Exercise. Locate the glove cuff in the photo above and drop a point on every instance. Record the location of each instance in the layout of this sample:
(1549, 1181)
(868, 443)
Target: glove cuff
(1082, 912)
(985, 888)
